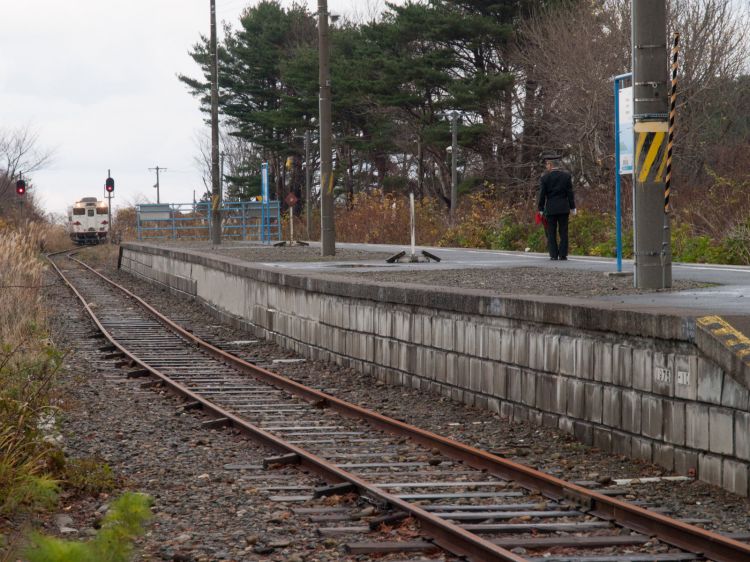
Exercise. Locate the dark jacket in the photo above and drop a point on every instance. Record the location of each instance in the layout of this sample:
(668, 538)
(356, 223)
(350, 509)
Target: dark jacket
(556, 193)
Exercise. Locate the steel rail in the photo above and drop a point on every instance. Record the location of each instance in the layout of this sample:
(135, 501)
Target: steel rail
(445, 534)
(676, 533)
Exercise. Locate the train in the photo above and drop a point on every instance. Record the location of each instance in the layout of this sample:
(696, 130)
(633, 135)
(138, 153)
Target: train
(88, 221)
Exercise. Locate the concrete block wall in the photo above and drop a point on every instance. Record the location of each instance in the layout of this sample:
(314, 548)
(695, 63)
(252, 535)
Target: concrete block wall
(648, 398)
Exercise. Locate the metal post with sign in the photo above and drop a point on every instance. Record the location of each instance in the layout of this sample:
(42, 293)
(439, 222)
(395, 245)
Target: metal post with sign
(291, 200)
(624, 148)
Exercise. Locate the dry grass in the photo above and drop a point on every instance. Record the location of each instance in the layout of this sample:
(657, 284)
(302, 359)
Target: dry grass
(21, 271)
(28, 364)
(103, 255)
(56, 239)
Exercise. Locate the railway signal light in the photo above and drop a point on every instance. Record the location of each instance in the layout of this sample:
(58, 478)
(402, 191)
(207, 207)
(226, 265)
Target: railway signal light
(109, 185)
(21, 187)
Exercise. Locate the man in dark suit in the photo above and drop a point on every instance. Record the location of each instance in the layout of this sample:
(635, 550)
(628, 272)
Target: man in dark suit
(556, 201)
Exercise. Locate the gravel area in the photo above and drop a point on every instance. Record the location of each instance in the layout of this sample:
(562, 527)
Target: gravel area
(552, 451)
(555, 282)
(210, 501)
(272, 254)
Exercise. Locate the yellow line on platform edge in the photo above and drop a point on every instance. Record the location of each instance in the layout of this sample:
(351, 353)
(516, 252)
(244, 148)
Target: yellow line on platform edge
(729, 334)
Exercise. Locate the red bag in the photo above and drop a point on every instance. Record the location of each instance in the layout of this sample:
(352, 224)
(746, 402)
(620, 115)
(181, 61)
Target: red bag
(540, 219)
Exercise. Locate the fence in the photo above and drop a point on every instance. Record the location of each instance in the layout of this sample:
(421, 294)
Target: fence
(243, 220)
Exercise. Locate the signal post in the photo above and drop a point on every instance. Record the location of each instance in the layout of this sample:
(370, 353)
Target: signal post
(21, 187)
(109, 187)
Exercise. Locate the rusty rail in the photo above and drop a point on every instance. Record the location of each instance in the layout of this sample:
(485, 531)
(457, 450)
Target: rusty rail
(449, 536)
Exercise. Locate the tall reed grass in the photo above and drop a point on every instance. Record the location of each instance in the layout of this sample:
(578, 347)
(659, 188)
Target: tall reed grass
(28, 365)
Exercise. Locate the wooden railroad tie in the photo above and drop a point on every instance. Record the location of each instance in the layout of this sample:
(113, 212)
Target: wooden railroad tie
(138, 374)
(215, 423)
(335, 490)
(282, 460)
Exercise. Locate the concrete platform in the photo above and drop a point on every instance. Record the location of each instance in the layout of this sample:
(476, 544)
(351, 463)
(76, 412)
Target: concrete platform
(731, 295)
(661, 377)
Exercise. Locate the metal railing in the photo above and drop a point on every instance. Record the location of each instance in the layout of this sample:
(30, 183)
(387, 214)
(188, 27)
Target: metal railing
(242, 220)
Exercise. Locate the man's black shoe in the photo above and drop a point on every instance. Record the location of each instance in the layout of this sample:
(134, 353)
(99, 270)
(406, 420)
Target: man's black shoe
(553, 259)
(564, 259)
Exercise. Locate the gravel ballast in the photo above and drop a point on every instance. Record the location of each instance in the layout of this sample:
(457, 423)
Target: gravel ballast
(273, 254)
(208, 485)
(209, 503)
(557, 282)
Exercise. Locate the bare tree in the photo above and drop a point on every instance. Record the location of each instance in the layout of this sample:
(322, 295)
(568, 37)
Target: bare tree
(367, 11)
(239, 157)
(567, 95)
(714, 54)
(19, 153)
(568, 55)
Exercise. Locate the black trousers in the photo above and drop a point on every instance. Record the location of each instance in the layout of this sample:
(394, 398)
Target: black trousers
(557, 223)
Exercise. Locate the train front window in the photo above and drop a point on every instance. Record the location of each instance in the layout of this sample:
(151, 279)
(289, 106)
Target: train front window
(79, 211)
(101, 210)
(91, 212)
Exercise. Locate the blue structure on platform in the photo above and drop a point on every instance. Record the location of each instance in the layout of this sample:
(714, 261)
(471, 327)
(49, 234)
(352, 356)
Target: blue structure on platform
(623, 158)
(241, 220)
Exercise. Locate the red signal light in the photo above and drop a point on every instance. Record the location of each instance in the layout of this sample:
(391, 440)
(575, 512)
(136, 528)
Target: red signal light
(20, 187)
(109, 185)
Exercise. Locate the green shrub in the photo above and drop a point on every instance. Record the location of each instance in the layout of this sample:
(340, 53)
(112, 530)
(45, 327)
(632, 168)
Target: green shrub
(511, 234)
(27, 374)
(113, 543)
(592, 234)
(537, 240)
(691, 248)
(88, 476)
(737, 243)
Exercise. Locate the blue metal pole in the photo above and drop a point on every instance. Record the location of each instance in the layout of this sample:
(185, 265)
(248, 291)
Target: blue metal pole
(618, 188)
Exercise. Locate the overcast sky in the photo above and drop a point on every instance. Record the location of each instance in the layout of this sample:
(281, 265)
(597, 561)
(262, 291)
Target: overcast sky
(97, 80)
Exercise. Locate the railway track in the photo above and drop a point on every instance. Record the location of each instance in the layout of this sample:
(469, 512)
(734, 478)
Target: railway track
(465, 501)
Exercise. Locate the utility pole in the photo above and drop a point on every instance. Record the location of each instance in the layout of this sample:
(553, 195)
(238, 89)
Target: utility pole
(454, 165)
(653, 254)
(157, 170)
(215, 183)
(327, 225)
(308, 187)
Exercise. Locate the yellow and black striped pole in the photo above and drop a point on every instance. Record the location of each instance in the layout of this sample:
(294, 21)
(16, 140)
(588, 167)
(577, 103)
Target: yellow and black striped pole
(672, 115)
